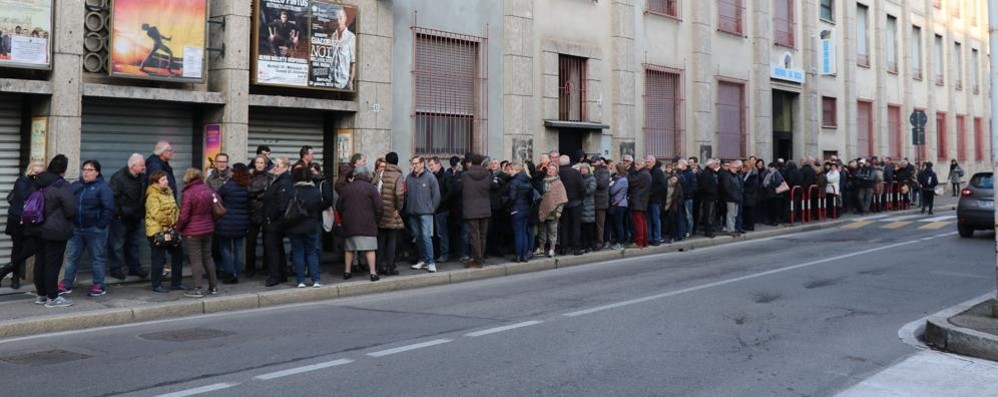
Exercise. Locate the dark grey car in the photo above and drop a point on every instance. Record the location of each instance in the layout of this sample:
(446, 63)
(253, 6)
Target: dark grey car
(976, 209)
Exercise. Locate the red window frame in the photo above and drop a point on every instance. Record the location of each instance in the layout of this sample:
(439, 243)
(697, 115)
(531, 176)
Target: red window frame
(978, 139)
(784, 26)
(942, 147)
(731, 16)
(664, 108)
(865, 142)
(829, 112)
(895, 129)
(961, 137)
(669, 8)
(731, 108)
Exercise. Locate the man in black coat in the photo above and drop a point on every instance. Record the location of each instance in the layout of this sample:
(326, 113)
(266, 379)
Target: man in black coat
(638, 191)
(129, 188)
(570, 224)
(659, 189)
(732, 189)
(275, 202)
(708, 192)
(445, 184)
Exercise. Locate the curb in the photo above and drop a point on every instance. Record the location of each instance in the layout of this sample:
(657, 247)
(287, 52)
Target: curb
(112, 317)
(942, 334)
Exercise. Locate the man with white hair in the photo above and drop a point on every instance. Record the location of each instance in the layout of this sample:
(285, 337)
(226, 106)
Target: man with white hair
(656, 196)
(160, 161)
(732, 188)
(129, 187)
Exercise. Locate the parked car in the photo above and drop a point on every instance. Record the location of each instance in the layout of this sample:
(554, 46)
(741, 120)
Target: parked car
(976, 209)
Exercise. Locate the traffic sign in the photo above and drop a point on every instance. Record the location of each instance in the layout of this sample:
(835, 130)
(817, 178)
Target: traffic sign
(918, 118)
(918, 136)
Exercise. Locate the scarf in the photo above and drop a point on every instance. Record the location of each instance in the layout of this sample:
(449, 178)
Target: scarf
(554, 196)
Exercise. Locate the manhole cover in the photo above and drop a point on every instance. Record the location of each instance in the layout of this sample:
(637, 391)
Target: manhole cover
(47, 357)
(186, 335)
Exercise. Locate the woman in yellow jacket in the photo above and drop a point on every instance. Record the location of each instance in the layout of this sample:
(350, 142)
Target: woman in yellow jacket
(161, 215)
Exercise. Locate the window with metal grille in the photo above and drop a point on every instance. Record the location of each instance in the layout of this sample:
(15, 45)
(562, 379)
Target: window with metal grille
(862, 41)
(937, 60)
(961, 137)
(664, 7)
(663, 112)
(829, 112)
(572, 88)
(864, 129)
(979, 143)
(784, 25)
(916, 52)
(896, 137)
(828, 10)
(730, 120)
(730, 16)
(449, 79)
(941, 147)
(958, 66)
(975, 71)
(892, 44)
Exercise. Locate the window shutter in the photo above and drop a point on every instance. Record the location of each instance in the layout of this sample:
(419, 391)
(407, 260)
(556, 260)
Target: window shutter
(730, 120)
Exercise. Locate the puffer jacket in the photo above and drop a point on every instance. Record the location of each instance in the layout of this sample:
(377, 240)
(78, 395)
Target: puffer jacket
(257, 188)
(60, 208)
(154, 163)
(589, 201)
(195, 210)
(477, 184)
(161, 210)
(392, 197)
(602, 196)
(94, 203)
(618, 191)
(129, 194)
(217, 179)
(236, 221)
(23, 187)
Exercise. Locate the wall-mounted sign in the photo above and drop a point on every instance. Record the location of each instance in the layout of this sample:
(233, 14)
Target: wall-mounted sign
(39, 131)
(305, 44)
(826, 49)
(344, 145)
(25, 33)
(158, 39)
(212, 144)
(786, 71)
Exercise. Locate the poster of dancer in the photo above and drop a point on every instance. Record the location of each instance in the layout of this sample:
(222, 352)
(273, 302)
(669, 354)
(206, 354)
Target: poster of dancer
(25, 33)
(158, 39)
(305, 43)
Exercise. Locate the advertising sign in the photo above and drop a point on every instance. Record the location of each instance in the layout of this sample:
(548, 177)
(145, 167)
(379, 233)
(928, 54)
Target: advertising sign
(39, 128)
(305, 43)
(158, 39)
(344, 145)
(212, 144)
(25, 33)
(827, 51)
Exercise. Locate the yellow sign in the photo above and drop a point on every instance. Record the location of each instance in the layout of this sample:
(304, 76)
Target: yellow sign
(39, 130)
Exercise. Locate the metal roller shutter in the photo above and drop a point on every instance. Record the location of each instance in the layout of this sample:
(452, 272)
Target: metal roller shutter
(285, 131)
(10, 166)
(864, 129)
(730, 120)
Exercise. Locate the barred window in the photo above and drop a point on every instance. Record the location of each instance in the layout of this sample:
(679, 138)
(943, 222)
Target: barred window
(829, 112)
(664, 7)
(730, 120)
(864, 129)
(784, 25)
(572, 88)
(663, 113)
(731, 15)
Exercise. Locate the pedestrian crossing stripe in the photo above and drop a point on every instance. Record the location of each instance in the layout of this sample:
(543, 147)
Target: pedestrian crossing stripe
(896, 225)
(935, 225)
(857, 224)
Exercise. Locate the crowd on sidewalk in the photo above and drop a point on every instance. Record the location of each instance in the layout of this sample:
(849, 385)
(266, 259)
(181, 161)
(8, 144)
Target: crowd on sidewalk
(469, 209)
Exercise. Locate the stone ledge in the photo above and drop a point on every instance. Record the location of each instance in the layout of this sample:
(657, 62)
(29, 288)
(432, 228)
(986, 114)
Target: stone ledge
(278, 101)
(152, 94)
(23, 86)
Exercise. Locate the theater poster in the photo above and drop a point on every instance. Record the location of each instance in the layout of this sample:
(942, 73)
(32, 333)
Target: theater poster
(25, 33)
(306, 44)
(158, 39)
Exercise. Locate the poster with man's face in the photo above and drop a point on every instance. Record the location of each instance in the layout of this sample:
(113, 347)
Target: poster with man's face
(25, 31)
(158, 39)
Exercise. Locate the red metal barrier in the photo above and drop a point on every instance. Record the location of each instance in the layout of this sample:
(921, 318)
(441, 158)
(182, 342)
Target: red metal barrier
(890, 197)
(793, 210)
(809, 197)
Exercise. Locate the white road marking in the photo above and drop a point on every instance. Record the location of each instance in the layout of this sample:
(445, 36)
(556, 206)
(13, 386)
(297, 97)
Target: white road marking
(409, 347)
(901, 218)
(301, 370)
(738, 279)
(503, 328)
(870, 218)
(964, 275)
(199, 390)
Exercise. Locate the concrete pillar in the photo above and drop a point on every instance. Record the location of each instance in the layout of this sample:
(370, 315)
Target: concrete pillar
(622, 63)
(761, 97)
(848, 71)
(229, 73)
(519, 107)
(372, 124)
(65, 108)
(878, 38)
(701, 130)
(810, 99)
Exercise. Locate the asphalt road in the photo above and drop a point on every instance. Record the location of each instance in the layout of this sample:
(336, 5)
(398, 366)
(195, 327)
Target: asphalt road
(804, 315)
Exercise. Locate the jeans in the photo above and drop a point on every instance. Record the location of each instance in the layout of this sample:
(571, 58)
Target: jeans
(93, 240)
(440, 223)
(654, 219)
(465, 239)
(640, 229)
(158, 259)
(302, 253)
(678, 221)
(421, 227)
(123, 245)
(48, 262)
(233, 254)
(617, 223)
(520, 237)
(731, 217)
(688, 208)
(199, 253)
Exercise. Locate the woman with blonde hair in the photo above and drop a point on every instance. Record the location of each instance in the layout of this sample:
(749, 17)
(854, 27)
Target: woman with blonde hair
(260, 180)
(161, 219)
(23, 247)
(196, 225)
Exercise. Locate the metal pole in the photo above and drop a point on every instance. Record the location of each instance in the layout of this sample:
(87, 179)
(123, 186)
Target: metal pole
(993, 75)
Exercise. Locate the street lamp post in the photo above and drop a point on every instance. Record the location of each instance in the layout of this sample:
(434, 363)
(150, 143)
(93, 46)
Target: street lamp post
(993, 78)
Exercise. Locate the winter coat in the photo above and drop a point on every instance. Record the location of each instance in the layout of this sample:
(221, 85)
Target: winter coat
(476, 185)
(793, 175)
(864, 178)
(216, 179)
(495, 195)
(360, 207)
(808, 176)
(519, 194)
(195, 210)
(770, 181)
(257, 188)
(154, 163)
(618, 191)
(422, 194)
(709, 189)
(639, 188)
(732, 187)
(927, 179)
(572, 179)
(94, 203)
(236, 221)
(690, 182)
(446, 185)
(129, 195)
(955, 174)
(602, 195)
(752, 187)
(275, 201)
(392, 197)
(23, 187)
(675, 198)
(60, 208)
(161, 210)
(659, 185)
(889, 173)
(311, 199)
(589, 201)
(833, 183)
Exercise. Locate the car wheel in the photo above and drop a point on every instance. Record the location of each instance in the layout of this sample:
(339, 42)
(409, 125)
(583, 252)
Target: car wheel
(965, 231)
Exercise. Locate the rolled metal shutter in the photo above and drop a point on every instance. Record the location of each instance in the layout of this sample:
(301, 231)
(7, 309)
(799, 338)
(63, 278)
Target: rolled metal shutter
(864, 129)
(285, 132)
(730, 121)
(10, 166)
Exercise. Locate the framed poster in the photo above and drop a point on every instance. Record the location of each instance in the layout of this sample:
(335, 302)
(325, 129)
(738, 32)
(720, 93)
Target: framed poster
(158, 39)
(39, 130)
(344, 145)
(26, 34)
(305, 44)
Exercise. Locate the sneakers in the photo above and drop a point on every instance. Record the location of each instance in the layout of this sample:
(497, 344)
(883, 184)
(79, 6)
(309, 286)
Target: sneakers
(96, 290)
(63, 290)
(432, 268)
(59, 302)
(551, 253)
(301, 285)
(316, 284)
(194, 293)
(419, 266)
(41, 300)
(213, 291)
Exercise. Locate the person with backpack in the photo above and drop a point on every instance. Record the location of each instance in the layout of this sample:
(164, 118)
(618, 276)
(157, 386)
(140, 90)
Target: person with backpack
(275, 204)
(161, 219)
(95, 208)
(230, 230)
(48, 214)
(302, 218)
(22, 244)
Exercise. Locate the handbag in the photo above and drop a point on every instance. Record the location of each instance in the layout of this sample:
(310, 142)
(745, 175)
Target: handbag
(328, 219)
(166, 238)
(217, 208)
(939, 190)
(783, 188)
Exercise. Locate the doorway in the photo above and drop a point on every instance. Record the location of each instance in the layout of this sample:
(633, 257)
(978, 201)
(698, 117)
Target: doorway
(570, 142)
(784, 104)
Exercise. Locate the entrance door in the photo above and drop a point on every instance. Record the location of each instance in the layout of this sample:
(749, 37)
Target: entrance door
(783, 124)
(570, 142)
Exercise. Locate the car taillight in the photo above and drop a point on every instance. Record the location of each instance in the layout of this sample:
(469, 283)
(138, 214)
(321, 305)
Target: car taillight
(965, 193)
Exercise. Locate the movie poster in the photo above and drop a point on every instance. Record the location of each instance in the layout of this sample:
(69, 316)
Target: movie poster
(306, 43)
(158, 39)
(25, 33)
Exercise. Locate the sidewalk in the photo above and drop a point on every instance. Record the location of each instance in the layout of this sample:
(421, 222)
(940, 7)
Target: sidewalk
(133, 301)
(969, 329)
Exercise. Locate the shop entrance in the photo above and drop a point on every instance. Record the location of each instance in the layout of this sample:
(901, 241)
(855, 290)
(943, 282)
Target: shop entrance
(570, 142)
(784, 118)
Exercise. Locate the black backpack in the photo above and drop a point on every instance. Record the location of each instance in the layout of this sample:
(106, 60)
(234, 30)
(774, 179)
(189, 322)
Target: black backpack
(296, 210)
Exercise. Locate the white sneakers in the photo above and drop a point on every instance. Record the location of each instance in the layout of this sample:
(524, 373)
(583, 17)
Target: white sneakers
(316, 284)
(301, 285)
(419, 266)
(432, 268)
